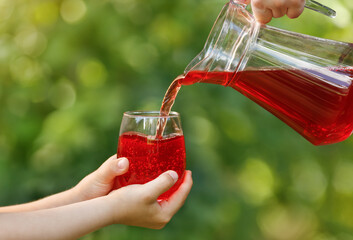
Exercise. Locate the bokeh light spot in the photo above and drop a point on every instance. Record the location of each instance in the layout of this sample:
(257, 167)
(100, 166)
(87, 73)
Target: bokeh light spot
(287, 223)
(140, 55)
(48, 157)
(73, 10)
(65, 129)
(309, 180)
(26, 71)
(202, 131)
(256, 181)
(62, 95)
(91, 73)
(6, 47)
(343, 177)
(31, 41)
(6, 9)
(344, 16)
(46, 13)
(237, 126)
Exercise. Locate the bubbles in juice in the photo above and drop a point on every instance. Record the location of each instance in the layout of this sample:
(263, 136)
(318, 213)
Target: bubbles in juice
(149, 157)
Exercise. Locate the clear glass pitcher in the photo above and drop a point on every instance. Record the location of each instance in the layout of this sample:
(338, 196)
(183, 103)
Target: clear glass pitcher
(305, 81)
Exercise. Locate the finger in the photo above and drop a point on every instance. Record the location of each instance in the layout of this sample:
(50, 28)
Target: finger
(111, 168)
(178, 198)
(294, 12)
(160, 185)
(262, 15)
(279, 12)
(278, 8)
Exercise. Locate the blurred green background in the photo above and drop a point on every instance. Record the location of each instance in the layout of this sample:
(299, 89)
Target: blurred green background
(68, 71)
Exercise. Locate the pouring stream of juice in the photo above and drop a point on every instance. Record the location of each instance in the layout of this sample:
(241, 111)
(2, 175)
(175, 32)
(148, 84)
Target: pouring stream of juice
(167, 103)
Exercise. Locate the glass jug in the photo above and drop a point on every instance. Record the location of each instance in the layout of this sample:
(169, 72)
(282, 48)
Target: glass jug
(305, 81)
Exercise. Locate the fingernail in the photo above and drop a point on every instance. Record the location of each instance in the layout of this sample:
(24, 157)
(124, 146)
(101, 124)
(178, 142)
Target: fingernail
(174, 175)
(122, 164)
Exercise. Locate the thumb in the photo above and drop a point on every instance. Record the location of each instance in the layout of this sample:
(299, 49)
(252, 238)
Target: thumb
(111, 168)
(161, 184)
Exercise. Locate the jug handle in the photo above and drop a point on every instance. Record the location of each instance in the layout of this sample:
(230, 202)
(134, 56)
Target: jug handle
(310, 4)
(318, 7)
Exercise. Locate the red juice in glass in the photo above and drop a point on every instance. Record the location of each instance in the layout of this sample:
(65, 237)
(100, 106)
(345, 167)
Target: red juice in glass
(149, 156)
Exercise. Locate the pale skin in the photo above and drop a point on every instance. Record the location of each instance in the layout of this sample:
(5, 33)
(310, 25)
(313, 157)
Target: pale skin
(265, 10)
(92, 204)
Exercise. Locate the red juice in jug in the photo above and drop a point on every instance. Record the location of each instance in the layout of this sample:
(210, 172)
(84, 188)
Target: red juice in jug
(319, 110)
(149, 157)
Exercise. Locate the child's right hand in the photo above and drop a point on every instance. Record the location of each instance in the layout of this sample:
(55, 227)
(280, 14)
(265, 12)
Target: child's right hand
(137, 205)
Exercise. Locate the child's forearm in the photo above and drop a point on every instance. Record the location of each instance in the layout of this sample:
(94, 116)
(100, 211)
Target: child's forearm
(60, 199)
(66, 222)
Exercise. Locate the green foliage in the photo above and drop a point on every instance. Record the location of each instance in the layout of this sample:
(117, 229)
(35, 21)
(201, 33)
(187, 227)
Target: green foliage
(70, 68)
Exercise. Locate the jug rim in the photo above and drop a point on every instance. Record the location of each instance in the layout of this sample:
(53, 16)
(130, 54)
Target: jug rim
(217, 40)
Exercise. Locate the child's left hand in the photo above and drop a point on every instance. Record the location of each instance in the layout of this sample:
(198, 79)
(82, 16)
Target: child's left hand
(100, 182)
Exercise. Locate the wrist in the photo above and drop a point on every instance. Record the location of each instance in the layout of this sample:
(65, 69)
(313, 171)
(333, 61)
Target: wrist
(76, 194)
(110, 207)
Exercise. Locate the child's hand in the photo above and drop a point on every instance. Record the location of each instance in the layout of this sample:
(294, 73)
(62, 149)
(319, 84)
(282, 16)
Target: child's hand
(100, 182)
(137, 205)
(58, 217)
(265, 10)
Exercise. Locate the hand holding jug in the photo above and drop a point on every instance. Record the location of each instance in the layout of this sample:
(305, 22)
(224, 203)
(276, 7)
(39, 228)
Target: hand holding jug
(265, 10)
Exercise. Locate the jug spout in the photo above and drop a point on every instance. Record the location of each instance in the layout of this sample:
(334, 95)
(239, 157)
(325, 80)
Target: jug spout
(230, 38)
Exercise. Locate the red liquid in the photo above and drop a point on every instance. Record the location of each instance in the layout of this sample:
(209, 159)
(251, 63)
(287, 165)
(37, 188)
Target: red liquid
(167, 104)
(321, 112)
(149, 157)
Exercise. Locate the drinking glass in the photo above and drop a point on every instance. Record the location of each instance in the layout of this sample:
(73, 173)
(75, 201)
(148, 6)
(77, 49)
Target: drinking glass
(150, 154)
